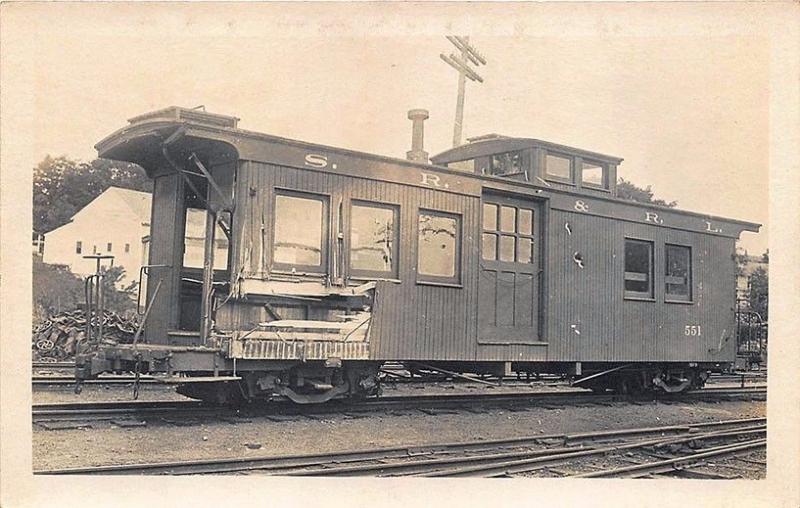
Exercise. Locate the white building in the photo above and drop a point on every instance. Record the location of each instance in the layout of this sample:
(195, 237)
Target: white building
(114, 223)
(117, 223)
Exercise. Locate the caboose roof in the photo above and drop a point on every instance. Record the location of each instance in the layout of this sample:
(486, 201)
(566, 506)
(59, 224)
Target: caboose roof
(494, 144)
(203, 133)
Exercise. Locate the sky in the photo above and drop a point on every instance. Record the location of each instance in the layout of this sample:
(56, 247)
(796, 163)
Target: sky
(687, 108)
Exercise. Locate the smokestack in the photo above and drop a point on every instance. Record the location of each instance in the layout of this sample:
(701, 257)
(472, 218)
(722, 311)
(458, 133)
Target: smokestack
(418, 117)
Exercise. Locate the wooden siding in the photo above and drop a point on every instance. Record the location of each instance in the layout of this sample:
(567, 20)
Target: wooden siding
(441, 322)
(585, 317)
(590, 320)
(166, 248)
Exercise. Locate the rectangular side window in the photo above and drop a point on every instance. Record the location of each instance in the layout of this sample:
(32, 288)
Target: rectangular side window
(594, 174)
(508, 163)
(558, 167)
(678, 273)
(108, 247)
(78, 247)
(439, 247)
(127, 247)
(638, 269)
(467, 165)
(301, 223)
(373, 240)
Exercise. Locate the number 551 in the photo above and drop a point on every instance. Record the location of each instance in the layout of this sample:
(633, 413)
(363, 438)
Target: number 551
(693, 330)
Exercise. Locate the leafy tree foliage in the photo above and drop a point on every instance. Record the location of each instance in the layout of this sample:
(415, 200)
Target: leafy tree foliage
(56, 289)
(117, 297)
(62, 186)
(740, 257)
(759, 292)
(628, 190)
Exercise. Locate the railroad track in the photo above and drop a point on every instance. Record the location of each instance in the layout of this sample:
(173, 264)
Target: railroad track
(431, 404)
(53, 365)
(688, 446)
(102, 380)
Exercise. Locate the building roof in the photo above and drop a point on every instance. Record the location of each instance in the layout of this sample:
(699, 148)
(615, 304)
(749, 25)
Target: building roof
(137, 201)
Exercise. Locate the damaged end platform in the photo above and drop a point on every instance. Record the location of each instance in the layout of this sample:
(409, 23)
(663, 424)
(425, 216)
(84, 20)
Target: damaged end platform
(304, 360)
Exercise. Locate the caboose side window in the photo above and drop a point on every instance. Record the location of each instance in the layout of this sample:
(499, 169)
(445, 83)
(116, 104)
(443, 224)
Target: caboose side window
(373, 240)
(467, 165)
(506, 164)
(558, 167)
(593, 174)
(300, 227)
(438, 247)
(678, 273)
(638, 269)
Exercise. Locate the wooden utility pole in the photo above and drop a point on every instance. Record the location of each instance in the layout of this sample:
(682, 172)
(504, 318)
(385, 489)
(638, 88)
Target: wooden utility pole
(461, 64)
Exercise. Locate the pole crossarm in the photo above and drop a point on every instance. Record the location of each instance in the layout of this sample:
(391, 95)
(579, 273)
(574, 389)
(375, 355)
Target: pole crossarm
(461, 63)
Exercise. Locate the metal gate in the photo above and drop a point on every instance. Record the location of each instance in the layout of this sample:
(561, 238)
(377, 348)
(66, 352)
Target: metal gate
(751, 337)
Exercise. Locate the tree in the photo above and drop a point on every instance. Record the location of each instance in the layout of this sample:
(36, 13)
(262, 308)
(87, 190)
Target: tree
(628, 190)
(62, 186)
(118, 298)
(56, 289)
(740, 257)
(759, 292)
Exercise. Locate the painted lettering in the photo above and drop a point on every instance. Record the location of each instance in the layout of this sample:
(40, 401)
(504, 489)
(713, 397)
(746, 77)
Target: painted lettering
(653, 217)
(711, 228)
(316, 161)
(431, 180)
(581, 206)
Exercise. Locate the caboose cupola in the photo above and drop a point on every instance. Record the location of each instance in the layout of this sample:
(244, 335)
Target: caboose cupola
(532, 160)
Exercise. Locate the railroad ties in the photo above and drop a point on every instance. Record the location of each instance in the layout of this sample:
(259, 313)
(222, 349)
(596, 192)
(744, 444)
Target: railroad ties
(667, 450)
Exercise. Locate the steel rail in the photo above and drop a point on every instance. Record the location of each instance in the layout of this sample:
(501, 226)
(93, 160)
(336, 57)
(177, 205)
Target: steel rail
(117, 409)
(676, 464)
(510, 467)
(340, 463)
(103, 410)
(53, 365)
(488, 460)
(105, 380)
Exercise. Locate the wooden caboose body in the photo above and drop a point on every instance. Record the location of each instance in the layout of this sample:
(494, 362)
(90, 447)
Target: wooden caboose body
(505, 253)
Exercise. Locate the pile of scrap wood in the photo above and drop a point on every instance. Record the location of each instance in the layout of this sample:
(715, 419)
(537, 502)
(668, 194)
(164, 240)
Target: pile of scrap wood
(56, 339)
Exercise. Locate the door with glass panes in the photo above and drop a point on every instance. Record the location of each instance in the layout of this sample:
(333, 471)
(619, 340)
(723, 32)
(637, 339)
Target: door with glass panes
(508, 282)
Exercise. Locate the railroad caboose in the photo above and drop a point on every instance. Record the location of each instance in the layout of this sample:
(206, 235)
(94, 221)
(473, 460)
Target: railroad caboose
(504, 254)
